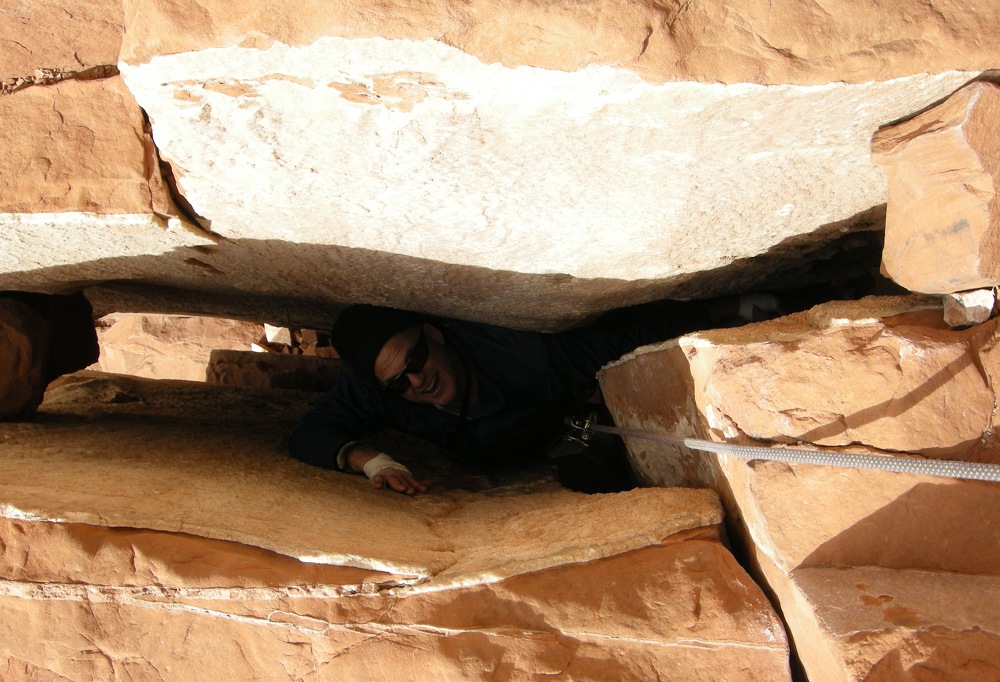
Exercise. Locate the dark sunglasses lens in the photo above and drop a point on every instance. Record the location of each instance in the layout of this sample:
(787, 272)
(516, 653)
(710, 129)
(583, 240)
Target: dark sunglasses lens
(398, 384)
(415, 362)
(418, 356)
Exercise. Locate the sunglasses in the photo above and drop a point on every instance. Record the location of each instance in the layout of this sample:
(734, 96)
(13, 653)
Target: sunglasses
(415, 361)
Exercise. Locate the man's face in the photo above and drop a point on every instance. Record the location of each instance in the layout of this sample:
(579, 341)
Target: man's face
(441, 378)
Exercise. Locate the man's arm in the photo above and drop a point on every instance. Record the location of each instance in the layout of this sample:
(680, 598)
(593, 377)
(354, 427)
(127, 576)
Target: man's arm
(382, 470)
(326, 436)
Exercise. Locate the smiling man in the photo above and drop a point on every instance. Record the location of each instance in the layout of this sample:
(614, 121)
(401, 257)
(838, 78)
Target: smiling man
(489, 395)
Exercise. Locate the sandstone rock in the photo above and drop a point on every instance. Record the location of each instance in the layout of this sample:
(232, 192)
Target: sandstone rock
(282, 335)
(447, 167)
(43, 337)
(25, 337)
(880, 375)
(201, 444)
(749, 41)
(267, 370)
(110, 563)
(869, 623)
(590, 204)
(167, 346)
(551, 622)
(943, 219)
(44, 38)
(81, 185)
(967, 308)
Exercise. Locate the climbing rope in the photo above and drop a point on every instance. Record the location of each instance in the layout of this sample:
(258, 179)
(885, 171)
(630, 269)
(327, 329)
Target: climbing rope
(976, 471)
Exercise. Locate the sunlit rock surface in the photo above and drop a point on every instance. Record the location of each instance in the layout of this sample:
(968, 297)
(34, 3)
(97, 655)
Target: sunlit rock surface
(519, 164)
(44, 41)
(172, 536)
(943, 221)
(169, 346)
(879, 376)
(83, 198)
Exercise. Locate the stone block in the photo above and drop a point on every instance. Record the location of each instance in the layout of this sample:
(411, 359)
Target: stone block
(173, 537)
(25, 337)
(169, 346)
(43, 337)
(880, 376)
(83, 199)
(942, 232)
(269, 370)
(966, 308)
(42, 39)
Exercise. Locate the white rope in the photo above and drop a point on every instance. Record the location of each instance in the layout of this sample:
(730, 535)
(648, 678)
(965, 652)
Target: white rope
(976, 471)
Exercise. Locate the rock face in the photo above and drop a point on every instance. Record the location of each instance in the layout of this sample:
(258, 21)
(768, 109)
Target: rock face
(545, 163)
(197, 539)
(25, 337)
(878, 575)
(943, 221)
(42, 42)
(271, 370)
(42, 338)
(169, 347)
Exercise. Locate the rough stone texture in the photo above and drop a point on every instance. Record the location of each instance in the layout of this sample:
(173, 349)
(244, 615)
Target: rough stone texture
(905, 625)
(79, 183)
(25, 338)
(750, 41)
(682, 608)
(222, 475)
(170, 548)
(44, 40)
(42, 338)
(439, 183)
(943, 220)
(264, 370)
(901, 383)
(445, 158)
(169, 347)
(967, 308)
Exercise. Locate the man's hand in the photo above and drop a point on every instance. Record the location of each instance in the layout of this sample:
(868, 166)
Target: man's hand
(384, 471)
(400, 480)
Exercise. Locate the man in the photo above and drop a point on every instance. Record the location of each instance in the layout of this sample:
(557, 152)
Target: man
(491, 396)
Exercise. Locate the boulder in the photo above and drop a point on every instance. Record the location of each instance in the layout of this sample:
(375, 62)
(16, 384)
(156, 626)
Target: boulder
(43, 337)
(83, 196)
(25, 337)
(169, 346)
(880, 376)
(263, 370)
(966, 308)
(174, 537)
(446, 166)
(942, 232)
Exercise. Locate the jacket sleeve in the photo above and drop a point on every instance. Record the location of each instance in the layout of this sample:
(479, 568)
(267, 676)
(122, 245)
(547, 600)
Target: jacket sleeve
(348, 411)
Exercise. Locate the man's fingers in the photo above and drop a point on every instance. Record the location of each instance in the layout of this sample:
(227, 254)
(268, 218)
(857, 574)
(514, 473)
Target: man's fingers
(401, 482)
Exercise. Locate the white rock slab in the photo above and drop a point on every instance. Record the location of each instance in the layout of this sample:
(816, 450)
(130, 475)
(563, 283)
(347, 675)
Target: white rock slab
(416, 148)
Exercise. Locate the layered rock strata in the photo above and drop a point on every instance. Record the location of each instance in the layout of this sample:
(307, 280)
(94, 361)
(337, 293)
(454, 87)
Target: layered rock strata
(878, 575)
(942, 232)
(186, 543)
(544, 163)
